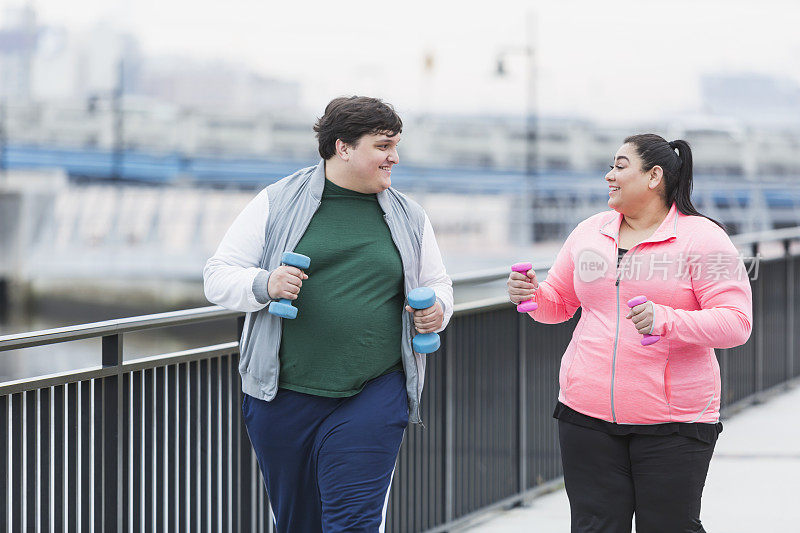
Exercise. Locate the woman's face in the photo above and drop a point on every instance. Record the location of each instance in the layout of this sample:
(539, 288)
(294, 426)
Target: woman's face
(629, 189)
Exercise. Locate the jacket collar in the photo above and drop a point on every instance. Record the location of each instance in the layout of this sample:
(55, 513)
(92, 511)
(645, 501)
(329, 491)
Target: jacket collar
(666, 231)
(317, 182)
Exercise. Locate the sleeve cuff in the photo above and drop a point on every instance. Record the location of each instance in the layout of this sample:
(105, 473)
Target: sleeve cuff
(445, 316)
(657, 322)
(260, 287)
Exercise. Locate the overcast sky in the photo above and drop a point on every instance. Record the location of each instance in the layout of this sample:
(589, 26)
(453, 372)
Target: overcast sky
(611, 60)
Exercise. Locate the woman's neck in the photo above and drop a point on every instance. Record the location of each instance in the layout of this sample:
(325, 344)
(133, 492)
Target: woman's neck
(645, 220)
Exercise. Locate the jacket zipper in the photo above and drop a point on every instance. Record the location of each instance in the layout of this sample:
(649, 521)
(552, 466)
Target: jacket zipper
(614, 357)
(616, 336)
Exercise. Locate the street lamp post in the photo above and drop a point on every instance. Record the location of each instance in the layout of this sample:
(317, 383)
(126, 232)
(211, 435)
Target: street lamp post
(118, 149)
(3, 137)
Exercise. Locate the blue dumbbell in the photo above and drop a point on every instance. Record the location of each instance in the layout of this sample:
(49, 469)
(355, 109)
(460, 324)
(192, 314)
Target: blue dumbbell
(423, 298)
(283, 307)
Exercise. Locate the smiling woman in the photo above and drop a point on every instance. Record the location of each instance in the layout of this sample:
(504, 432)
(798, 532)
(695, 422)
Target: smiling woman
(638, 421)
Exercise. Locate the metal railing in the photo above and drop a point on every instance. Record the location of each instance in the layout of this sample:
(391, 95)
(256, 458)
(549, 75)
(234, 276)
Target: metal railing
(158, 444)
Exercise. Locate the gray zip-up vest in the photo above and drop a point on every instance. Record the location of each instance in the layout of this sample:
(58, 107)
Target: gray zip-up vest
(292, 203)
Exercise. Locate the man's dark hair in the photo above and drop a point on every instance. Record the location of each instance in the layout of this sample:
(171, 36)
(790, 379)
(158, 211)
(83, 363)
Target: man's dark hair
(349, 117)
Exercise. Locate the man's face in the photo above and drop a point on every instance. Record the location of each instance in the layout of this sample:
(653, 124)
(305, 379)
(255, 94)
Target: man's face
(371, 161)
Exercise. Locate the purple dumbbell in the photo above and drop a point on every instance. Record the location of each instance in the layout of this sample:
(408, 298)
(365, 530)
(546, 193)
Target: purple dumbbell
(528, 305)
(647, 340)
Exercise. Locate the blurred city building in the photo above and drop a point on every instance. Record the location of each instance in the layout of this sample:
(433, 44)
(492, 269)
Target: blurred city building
(752, 98)
(722, 146)
(19, 39)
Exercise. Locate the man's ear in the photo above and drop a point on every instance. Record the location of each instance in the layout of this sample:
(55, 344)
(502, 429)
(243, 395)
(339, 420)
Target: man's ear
(343, 150)
(655, 178)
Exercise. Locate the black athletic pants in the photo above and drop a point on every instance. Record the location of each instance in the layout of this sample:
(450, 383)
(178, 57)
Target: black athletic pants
(609, 478)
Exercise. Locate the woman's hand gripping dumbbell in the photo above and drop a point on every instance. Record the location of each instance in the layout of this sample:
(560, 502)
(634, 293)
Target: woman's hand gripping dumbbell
(285, 282)
(642, 318)
(522, 286)
(428, 317)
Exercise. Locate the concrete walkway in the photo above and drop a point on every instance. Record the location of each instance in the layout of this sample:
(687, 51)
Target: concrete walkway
(753, 483)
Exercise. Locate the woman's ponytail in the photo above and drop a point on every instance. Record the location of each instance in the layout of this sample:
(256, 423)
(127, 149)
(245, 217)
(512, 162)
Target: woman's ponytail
(655, 150)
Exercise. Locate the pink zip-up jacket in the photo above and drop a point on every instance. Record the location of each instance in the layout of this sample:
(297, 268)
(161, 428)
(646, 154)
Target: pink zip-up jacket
(694, 276)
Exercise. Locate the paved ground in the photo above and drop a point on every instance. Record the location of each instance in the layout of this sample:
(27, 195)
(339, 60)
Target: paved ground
(753, 483)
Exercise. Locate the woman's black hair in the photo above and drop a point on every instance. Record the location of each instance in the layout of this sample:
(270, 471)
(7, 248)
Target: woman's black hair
(655, 150)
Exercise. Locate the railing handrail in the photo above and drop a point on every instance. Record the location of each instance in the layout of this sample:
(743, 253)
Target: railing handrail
(113, 327)
(98, 371)
(174, 318)
(204, 314)
(759, 237)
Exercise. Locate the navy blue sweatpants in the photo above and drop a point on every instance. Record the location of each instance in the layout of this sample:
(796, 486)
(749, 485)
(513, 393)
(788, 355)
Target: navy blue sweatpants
(328, 462)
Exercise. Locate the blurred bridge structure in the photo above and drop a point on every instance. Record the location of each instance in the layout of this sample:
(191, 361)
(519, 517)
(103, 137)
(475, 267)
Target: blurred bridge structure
(70, 220)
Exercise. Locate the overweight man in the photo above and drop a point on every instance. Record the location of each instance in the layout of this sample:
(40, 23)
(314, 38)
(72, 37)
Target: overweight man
(328, 394)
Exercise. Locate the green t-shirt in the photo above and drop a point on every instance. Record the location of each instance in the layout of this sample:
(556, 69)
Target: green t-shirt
(348, 328)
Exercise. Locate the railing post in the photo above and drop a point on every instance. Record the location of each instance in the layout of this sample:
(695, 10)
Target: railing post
(5, 297)
(790, 289)
(758, 320)
(523, 402)
(111, 430)
(449, 426)
(112, 350)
